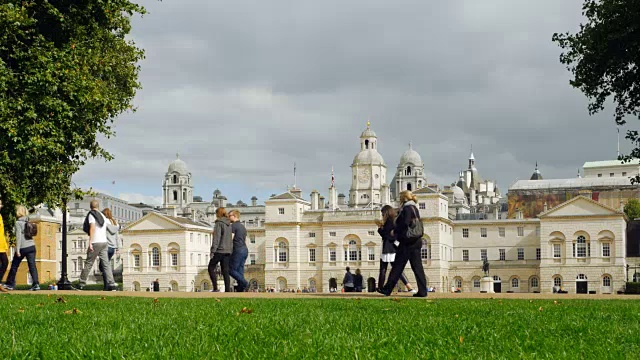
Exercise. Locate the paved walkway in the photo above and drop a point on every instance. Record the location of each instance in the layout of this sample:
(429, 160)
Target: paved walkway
(436, 295)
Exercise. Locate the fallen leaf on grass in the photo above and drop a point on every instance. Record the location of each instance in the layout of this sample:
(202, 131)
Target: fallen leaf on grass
(530, 301)
(218, 300)
(540, 309)
(40, 305)
(74, 311)
(102, 298)
(21, 310)
(245, 311)
(387, 309)
(395, 299)
(61, 300)
(429, 300)
(556, 302)
(48, 295)
(456, 316)
(461, 339)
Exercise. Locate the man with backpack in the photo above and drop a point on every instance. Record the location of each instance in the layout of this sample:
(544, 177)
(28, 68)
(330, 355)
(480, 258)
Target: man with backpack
(95, 226)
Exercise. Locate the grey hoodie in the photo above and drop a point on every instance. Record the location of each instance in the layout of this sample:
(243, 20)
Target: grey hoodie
(222, 241)
(112, 235)
(21, 241)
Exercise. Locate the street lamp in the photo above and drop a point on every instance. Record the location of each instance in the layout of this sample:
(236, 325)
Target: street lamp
(63, 283)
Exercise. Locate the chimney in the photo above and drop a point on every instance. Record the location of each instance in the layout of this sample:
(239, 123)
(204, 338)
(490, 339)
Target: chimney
(333, 198)
(174, 212)
(296, 191)
(254, 201)
(321, 203)
(341, 200)
(519, 214)
(314, 199)
(546, 207)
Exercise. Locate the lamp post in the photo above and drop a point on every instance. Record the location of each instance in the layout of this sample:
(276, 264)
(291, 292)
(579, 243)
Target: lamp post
(63, 283)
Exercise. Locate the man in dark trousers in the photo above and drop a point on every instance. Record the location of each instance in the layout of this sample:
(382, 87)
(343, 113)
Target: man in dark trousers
(240, 251)
(156, 285)
(347, 281)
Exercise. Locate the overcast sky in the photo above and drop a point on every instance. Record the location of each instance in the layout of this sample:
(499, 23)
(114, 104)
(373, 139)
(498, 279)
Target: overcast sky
(242, 90)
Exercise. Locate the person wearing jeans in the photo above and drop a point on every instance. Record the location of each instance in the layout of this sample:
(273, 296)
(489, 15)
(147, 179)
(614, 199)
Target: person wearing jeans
(98, 247)
(24, 248)
(221, 249)
(112, 241)
(240, 250)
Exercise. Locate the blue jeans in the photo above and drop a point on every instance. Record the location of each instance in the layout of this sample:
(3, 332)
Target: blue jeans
(30, 254)
(236, 266)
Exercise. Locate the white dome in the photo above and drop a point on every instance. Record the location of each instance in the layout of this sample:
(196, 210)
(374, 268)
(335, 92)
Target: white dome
(368, 133)
(178, 166)
(458, 195)
(411, 157)
(368, 157)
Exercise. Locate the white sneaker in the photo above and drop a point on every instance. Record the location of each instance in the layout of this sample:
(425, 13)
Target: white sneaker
(414, 291)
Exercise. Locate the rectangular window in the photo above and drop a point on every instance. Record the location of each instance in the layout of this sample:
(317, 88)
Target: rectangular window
(610, 174)
(372, 233)
(252, 239)
(174, 259)
(483, 254)
(606, 250)
(312, 255)
(501, 232)
(503, 254)
(624, 173)
(372, 253)
(483, 232)
(465, 233)
(312, 234)
(599, 175)
(520, 231)
(424, 252)
(557, 254)
(136, 260)
(423, 206)
(465, 255)
(281, 211)
(520, 253)
(332, 255)
(282, 255)
(538, 254)
(332, 233)
(252, 259)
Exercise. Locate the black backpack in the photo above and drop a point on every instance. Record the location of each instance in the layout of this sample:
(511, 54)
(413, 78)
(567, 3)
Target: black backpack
(85, 225)
(30, 230)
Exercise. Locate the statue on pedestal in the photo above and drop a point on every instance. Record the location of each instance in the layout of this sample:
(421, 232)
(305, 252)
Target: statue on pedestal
(485, 267)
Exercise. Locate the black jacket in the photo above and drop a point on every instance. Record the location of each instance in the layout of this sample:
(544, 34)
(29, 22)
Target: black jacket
(387, 238)
(408, 212)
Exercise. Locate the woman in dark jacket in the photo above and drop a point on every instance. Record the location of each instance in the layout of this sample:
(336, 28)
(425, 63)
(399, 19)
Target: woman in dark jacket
(221, 249)
(385, 228)
(408, 249)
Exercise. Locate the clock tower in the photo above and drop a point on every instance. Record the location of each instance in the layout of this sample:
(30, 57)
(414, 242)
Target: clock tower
(369, 173)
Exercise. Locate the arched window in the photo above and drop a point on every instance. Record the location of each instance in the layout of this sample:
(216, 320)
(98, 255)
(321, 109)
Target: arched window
(606, 280)
(458, 282)
(353, 250)
(366, 144)
(476, 283)
(515, 283)
(534, 282)
(174, 286)
(253, 284)
(581, 247)
(424, 251)
(155, 256)
(184, 195)
(281, 252)
(282, 284)
(135, 286)
(557, 281)
(408, 171)
(409, 187)
(175, 195)
(175, 179)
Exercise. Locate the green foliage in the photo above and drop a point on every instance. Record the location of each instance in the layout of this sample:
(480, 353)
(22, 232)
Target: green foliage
(603, 58)
(632, 288)
(632, 209)
(338, 328)
(67, 71)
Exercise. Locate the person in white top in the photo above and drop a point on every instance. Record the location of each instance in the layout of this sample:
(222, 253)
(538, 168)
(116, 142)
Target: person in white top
(98, 248)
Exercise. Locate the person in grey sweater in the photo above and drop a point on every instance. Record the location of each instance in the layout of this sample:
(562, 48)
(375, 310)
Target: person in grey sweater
(24, 248)
(112, 242)
(221, 249)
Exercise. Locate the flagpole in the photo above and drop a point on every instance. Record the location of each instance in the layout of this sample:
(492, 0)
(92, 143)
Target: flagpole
(618, 127)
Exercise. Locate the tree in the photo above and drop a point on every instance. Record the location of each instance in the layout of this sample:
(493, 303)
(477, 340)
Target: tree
(632, 209)
(67, 71)
(604, 57)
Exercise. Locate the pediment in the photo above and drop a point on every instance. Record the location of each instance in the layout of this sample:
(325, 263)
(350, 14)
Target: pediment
(153, 221)
(580, 206)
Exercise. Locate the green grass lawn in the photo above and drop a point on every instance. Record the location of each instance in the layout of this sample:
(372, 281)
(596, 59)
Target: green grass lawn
(36, 326)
